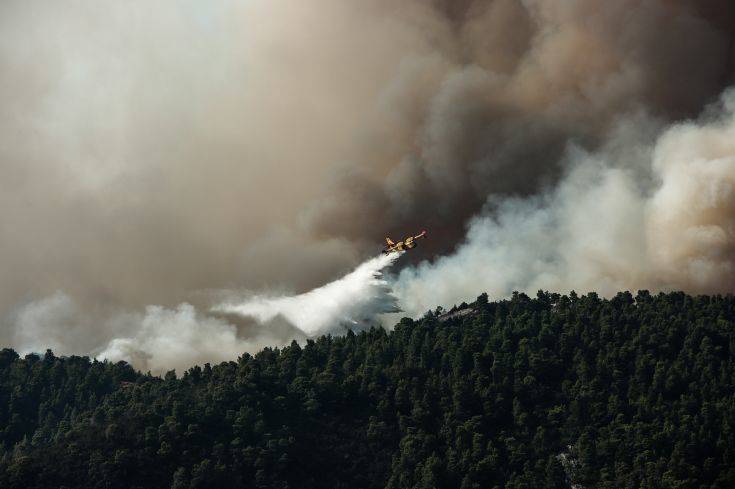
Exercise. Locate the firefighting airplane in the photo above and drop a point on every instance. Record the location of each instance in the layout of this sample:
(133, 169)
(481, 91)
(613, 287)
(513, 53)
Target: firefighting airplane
(406, 244)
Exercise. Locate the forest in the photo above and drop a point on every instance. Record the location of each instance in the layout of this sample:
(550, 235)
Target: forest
(554, 391)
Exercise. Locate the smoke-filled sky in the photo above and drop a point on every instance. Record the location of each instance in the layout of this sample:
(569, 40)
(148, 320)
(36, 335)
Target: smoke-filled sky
(155, 154)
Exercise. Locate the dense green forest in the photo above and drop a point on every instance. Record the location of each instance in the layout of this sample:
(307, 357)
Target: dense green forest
(554, 391)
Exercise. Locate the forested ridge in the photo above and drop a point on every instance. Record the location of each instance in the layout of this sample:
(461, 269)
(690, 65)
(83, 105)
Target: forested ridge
(545, 392)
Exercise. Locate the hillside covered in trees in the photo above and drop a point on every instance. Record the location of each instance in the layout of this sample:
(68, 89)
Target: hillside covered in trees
(636, 391)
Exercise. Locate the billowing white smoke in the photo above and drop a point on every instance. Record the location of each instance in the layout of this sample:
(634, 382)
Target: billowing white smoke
(177, 338)
(352, 301)
(163, 338)
(659, 216)
(46, 323)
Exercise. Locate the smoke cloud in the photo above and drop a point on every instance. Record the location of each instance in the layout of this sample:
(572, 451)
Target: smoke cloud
(153, 154)
(181, 337)
(508, 87)
(171, 338)
(160, 338)
(658, 217)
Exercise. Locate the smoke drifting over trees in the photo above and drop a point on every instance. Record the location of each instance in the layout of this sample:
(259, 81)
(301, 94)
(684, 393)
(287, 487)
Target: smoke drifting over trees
(149, 154)
(607, 225)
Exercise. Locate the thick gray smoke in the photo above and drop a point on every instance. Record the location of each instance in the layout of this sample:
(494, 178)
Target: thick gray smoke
(153, 153)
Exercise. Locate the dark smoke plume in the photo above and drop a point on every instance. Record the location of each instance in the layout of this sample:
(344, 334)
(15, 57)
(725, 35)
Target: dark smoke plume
(506, 87)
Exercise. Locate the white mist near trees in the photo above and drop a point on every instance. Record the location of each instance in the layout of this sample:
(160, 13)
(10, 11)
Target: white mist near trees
(164, 338)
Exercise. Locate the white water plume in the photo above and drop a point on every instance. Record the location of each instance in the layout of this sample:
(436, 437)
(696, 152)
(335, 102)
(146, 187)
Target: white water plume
(352, 302)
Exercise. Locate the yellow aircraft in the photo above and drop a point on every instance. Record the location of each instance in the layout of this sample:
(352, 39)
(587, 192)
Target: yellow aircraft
(406, 244)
